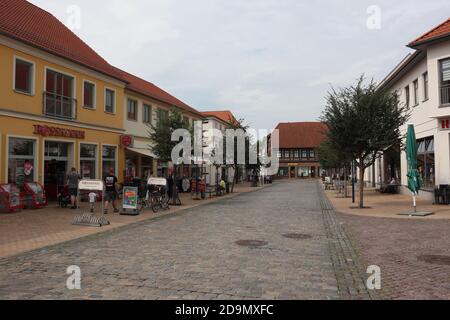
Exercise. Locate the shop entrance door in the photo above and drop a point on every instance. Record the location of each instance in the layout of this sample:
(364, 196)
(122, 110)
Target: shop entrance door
(292, 173)
(56, 167)
(313, 172)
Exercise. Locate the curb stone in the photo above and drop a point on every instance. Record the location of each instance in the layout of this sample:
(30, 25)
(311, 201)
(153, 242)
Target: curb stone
(350, 274)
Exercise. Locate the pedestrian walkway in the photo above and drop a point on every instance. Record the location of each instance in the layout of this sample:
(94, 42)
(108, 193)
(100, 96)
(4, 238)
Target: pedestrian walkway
(412, 252)
(386, 205)
(34, 229)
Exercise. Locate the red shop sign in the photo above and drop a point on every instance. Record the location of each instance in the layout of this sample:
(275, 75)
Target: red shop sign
(127, 141)
(47, 131)
(444, 124)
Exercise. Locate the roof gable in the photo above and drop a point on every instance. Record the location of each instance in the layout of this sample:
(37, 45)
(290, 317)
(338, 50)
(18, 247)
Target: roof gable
(226, 116)
(150, 90)
(438, 32)
(295, 135)
(34, 26)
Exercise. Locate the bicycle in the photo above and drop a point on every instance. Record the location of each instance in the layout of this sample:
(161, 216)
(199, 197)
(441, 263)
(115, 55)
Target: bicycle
(159, 201)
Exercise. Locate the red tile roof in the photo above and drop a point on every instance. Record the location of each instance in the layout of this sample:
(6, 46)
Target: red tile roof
(301, 134)
(226, 116)
(440, 31)
(30, 24)
(148, 89)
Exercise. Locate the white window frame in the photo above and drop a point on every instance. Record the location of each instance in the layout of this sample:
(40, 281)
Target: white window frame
(35, 151)
(96, 144)
(150, 113)
(115, 101)
(415, 85)
(94, 100)
(136, 111)
(74, 82)
(407, 91)
(33, 76)
(440, 80)
(426, 86)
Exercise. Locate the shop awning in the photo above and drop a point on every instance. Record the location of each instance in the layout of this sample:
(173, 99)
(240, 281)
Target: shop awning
(144, 152)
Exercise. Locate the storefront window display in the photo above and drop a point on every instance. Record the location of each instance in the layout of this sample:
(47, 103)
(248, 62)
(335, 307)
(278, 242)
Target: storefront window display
(88, 160)
(425, 162)
(283, 172)
(303, 172)
(21, 161)
(108, 159)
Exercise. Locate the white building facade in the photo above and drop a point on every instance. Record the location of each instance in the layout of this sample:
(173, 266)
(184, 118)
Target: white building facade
(422, 81)
(220, 121)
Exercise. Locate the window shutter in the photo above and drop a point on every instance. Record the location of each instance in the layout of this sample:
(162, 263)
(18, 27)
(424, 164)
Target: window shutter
(445, 70)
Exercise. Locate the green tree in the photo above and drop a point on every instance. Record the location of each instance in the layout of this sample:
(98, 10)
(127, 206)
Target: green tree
(363, 120)
(161, 138)
(234, 163)
(333, 158)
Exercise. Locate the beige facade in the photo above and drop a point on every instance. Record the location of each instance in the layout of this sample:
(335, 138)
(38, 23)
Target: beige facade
(140, 160)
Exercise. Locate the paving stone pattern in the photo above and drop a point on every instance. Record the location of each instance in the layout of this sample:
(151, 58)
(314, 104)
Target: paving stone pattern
(193, 254)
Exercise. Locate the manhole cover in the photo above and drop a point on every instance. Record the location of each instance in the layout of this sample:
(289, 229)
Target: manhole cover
(297, 236)
(251, 243)
(435, 259)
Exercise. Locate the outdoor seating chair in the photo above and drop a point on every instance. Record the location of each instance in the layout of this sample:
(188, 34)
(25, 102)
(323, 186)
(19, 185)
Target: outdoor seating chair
(442, 194)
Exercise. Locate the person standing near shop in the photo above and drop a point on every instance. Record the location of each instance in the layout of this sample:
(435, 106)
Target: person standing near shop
(72, 180)
(110, 191)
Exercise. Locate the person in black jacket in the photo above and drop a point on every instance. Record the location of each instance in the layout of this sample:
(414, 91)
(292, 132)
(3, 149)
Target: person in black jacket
(170, 183)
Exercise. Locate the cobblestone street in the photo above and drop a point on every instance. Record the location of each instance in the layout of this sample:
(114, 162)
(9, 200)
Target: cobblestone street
(413, 254)
(194, 255)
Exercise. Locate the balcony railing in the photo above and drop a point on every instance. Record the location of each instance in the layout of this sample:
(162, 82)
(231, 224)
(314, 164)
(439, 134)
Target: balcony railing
(445, 94)
(59, 106)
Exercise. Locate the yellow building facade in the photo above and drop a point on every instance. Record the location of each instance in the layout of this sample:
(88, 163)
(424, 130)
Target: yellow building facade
(56, 114)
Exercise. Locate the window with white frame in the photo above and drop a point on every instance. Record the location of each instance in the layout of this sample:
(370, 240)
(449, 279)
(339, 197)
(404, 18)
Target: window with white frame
(23, 76)
(162, 116)
(445, 81)
(416, 92)
(426, 94)
(407, 96)
(132, 107)
(147, 113)
(88, 161)
(186, 121)
(89, 94)
(110, 101)
(108, 160)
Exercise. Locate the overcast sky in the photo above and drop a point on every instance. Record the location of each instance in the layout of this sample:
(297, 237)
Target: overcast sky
(267, 61)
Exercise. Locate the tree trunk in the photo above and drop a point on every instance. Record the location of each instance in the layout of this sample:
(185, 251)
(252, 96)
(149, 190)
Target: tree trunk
(361, 186)
(345, 183)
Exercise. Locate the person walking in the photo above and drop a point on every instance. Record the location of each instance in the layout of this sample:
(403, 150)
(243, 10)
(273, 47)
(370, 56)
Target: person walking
(110, 191)
(73, 178)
